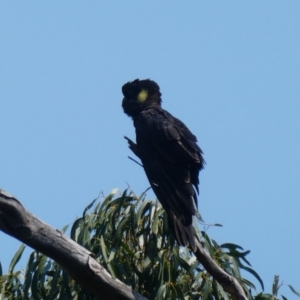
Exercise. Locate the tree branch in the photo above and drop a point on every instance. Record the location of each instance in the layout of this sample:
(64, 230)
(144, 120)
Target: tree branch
(19, 223)
(229, 283)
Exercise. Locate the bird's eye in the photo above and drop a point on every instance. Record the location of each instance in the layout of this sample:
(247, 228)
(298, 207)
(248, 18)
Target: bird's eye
(142, 96)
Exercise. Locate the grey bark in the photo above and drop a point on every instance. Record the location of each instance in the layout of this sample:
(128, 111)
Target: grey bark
(229, 283)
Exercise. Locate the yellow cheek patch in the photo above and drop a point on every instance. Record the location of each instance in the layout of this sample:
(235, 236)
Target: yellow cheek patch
(142, 96)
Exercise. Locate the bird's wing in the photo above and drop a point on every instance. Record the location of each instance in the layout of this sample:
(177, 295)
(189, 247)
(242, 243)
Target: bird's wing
(171, 160)
(182, 144)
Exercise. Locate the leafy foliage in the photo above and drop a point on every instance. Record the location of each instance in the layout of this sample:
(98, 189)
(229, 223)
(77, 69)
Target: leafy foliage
(129, 237)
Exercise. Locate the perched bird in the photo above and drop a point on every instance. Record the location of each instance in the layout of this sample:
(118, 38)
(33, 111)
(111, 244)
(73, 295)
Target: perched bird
(169, 153)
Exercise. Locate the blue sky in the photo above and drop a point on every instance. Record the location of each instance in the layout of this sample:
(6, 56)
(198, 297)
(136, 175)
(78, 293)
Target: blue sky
(230, 70)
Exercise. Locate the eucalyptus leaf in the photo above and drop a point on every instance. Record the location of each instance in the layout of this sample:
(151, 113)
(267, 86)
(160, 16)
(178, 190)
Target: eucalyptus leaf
(294, 291)
(255, 275)
(16, 258)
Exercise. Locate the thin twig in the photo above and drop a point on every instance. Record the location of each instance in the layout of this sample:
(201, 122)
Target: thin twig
(136, 161)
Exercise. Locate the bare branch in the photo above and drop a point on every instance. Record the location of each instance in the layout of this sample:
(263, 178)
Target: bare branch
(19, 223)
(229, 283)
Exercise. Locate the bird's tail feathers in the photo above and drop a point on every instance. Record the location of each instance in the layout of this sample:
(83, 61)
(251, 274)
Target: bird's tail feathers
(178, 199)
(172, 190)
(184, 233)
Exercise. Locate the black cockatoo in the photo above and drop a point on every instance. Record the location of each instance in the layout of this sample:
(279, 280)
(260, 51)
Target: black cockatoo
(169, 153)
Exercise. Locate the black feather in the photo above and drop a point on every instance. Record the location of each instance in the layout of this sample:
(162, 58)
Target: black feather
(170, 155)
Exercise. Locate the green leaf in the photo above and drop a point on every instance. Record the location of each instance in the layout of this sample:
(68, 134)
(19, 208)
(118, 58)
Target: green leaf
(75, 230)
(143, 195)
(179, 292)
(231, 246)
(103, 248)
(16, 258)
(146, 262)
(142, 211)
(112, 254)
(67, 293)
(88, 207)
(161, 292)
(156, 222)
(206, 289)
(293, 290)
(63, 230)
(275, 285)
(128, 250)
(121, 226)
(255, 275)
(262, 296)
(183, 264)
(54, 283)
(248, 283)
(31, 265)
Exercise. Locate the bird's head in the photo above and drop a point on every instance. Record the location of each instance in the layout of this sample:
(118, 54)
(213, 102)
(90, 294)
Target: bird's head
(139, 95)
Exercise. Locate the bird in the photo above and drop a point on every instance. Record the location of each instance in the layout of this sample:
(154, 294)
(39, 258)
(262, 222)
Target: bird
(170, 156)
